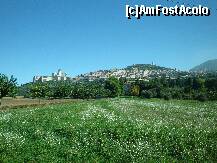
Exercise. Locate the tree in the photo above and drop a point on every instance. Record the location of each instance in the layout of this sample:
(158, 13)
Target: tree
(201, 97)
(146, 94)
(8, 87)
(188, 85)
(122, 82)
(113, 87)
(211, 84)
(38, 90)
(135, 90)
(198, 84)
(61, 89)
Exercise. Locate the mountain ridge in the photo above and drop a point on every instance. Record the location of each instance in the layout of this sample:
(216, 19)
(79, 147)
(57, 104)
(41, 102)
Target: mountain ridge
(207, 66)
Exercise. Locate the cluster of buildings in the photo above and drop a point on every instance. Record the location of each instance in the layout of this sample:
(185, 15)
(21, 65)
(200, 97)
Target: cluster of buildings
(134, 73)
(60, 75)
(145, 72)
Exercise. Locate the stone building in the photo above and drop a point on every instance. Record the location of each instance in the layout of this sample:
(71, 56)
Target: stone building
(60, 75)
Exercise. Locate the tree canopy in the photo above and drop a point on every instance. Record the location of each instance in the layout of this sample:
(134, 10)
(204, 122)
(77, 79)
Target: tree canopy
(8, 86)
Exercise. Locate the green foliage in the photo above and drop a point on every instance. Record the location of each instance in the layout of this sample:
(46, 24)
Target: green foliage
(147, 94)
(146, 67)
(167, 96)
(212, 95)
(122, 82)
(23, 90)
(38, 90)
(89, 90)
(166, 88)
(201, 97)
(69, 89)
(113, 86)
(192, 88)
(198, 84)
(211, 84)
(135, 90)
(60, 89)
(8, 87)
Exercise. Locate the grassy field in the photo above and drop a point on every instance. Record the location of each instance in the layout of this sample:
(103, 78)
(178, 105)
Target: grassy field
(111, 130)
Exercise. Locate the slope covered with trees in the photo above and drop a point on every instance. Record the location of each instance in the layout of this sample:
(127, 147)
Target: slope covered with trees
(191, 88)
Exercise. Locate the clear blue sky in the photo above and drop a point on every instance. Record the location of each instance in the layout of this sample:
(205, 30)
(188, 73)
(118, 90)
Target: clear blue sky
(39, 36)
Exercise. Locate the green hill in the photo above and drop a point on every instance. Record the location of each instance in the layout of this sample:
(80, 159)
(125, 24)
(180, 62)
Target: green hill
(147, 67)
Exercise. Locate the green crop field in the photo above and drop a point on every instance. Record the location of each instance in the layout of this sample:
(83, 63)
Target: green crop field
(111, 130)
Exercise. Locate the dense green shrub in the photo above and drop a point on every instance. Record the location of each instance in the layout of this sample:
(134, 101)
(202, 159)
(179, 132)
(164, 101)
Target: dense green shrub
(135, 90)
(167, 96)
(180, 88)
(176, 95)
(147, 94)
(8, 86)
(212, 95)
(70, 89)
(201, 97)
(113, 86)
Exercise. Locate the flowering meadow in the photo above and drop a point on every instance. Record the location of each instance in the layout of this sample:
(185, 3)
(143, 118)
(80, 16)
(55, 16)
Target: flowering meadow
(111, 130)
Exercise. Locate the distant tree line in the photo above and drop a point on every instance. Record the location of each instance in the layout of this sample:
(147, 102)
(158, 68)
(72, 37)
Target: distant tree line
(76, 90)
(200, 88)
(192, 88)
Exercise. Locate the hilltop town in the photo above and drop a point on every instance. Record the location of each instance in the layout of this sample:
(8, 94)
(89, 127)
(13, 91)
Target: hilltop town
(136, 71)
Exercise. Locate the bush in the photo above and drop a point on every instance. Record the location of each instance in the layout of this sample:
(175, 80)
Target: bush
(177, 95)
(113, 86)
(135, 89)
(8, 86)
(212, 95)
(167, 96)
(146, 94)
(187, 96)
(202, 97)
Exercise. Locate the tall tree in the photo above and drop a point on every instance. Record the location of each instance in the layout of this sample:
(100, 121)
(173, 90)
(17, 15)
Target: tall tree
(113, 86)
(135, 90)
(8, 87)
(38, 90)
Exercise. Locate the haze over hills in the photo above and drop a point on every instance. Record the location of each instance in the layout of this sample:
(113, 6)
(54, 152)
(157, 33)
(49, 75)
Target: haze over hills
(208, 66)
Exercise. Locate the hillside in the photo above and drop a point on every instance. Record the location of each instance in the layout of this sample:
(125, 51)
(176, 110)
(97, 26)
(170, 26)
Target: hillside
(208, 66)
(136, 71)
(146, 67)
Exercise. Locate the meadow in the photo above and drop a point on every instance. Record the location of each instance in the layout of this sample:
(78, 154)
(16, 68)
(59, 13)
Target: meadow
(111, 130)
